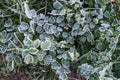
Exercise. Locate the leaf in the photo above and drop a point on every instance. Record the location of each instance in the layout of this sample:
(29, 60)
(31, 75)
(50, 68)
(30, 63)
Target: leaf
(33, 50)
(63, 76)
(10, 65)
(40, 57)
(18, 60)
(9, 57)
(40, 23)
(33, 13)
(8, 23)
(57, 5)
(100, 46)
(25, 52)
(35, 60)
(90, 38)
(59, 29)
(3, 49)
(64, 34)
(75, 26)
(83, 39)
(27, 10)
(27, 41)
(51, 29)
(73, 55)
(29, 59)
(36, 43)
(59, 19)
(10, 28)
(39, 29)
(24, 26)
(32, 26)
(105, 24)
(86, 70)
(47, 59)
(45, 45)
(65, 64)
(55, 65)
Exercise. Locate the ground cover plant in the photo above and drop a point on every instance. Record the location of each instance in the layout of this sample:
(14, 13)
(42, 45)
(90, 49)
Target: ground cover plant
(59, 40)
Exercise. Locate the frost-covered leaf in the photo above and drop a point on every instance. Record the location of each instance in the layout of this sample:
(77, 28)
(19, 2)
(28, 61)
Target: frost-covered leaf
(86, 70)
(59, 19)
(55, 65)
(33, 13)
(40, 57)
(3, 49)
(27, 10)
(36, 43)
(83, 39)
(90, 38)
(57, 5)
(8, 23)
(33, 50)
(10, 65)
(65, 64)
(62, 44)
(39, 29)
(47, 59)
(118, 28)
(45, 45)
(59, 29)
(100, 46)
(105, 24)
(75, 26)
(51, 29)
(32, 26)
(27, 41)
(64, 34)
(35, 60)
(25, 52)
(63, 76)
(73, 55)
(9, 57)
(28, 59)
(24, 26)
(40, 23)
(18, 60)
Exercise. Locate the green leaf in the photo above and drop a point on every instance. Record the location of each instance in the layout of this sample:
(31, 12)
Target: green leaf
(63, 76)
(18, 60)
(25, 52)
(100, 46)
(10, 65)
(45, 45)
(55, 65)
(35, 60)
(29, 59)
(65, 64)
(3, 49)
(36, 43)
(27, 41)
(33, 50)
(90, 38)
(40, 57)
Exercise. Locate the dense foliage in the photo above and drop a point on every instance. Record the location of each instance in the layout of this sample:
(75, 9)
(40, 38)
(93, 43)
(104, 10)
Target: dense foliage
(55, 39)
